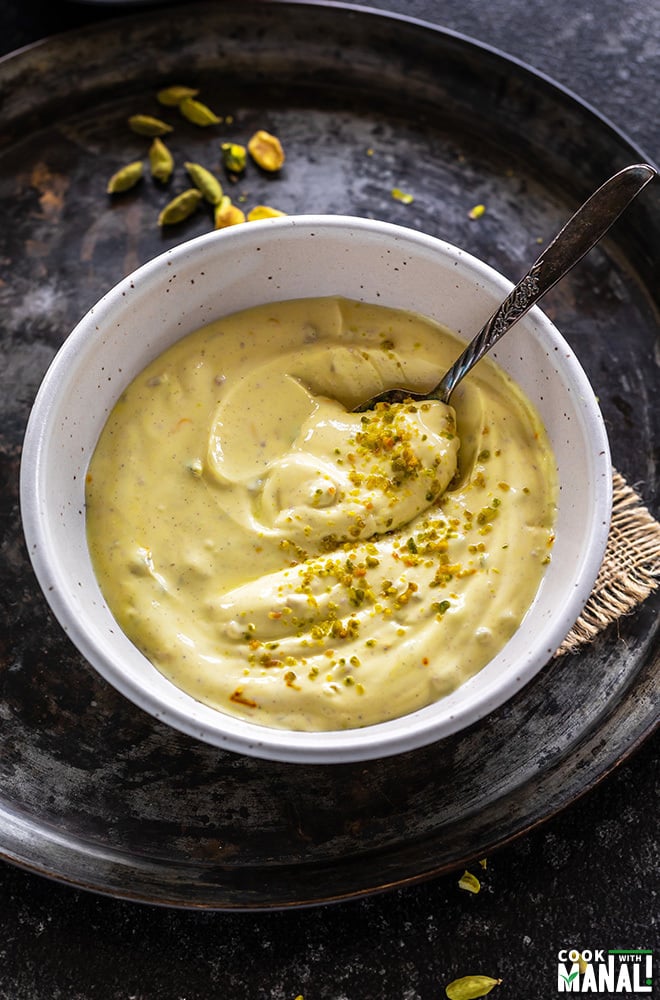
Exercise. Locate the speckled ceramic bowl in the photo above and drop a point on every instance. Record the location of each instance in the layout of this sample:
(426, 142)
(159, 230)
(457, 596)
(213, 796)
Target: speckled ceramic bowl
(288, 258)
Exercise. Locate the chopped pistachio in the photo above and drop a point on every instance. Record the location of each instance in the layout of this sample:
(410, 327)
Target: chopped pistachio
(402, 196)
(440, 607)
(263, 212)
(476, 212)
(469, 882)
(234, 157)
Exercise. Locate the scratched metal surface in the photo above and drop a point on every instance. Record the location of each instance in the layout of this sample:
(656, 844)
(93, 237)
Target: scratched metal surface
(93, 791)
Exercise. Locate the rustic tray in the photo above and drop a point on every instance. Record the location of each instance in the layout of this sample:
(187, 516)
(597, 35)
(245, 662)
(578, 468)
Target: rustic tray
(94, 792)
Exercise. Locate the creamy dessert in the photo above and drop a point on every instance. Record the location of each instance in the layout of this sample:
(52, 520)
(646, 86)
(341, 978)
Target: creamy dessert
(291, 562)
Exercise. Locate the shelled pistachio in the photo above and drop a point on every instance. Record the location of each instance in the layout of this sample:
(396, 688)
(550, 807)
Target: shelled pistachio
(234, 157)
(266, 151)
(228, 214)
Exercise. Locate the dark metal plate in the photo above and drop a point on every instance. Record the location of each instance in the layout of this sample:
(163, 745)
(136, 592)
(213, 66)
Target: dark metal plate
(93, 791)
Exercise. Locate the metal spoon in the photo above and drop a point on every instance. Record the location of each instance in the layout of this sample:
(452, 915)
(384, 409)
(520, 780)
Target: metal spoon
(582, 231)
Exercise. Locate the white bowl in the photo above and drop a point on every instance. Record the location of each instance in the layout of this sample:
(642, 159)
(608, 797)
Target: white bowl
(279, 259)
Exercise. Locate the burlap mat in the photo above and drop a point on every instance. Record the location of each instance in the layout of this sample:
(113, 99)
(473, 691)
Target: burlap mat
(630, 569)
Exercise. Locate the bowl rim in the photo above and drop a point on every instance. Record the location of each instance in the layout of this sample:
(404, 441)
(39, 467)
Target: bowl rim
(229, 732)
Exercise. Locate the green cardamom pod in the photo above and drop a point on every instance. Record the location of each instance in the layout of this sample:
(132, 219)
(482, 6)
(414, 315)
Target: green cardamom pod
(471, 987)
(197, 113)
(125, 178)
(180, 207)
(146, 125)
(161, 161)
(171, 97)
(206, 182)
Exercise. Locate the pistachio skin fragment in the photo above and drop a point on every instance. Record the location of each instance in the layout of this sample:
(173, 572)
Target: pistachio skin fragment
(125, 178)
(161, 161)
(148, 125)
(266, 151)
(228, 214)
(197, 113)
(171, 97)
(263, 212)
(234, 157)
(180, 208)
(470, 987)
(204, 180)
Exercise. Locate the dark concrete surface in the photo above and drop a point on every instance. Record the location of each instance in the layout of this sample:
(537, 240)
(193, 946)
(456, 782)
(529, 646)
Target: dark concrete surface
(587, 878)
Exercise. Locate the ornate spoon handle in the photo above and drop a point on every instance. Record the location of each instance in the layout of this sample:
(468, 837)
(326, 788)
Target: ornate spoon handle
(578, 236)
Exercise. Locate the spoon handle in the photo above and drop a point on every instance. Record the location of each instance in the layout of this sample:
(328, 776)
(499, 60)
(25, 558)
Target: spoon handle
(578, 236)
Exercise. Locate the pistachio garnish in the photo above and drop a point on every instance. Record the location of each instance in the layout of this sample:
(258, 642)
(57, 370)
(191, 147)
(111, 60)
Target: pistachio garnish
(402, 196)
(161, 161)
(263, 212)
(204, 180)
(125, 178)
(470, 987)
(266, 151)
(197, 113)
(234, 157)
(228, 214)
(180, 207)
(148, 125)
(171, 97)
(469, 881)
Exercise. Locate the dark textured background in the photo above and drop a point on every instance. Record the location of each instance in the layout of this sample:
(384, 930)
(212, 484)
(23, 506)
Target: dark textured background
(587, 878)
